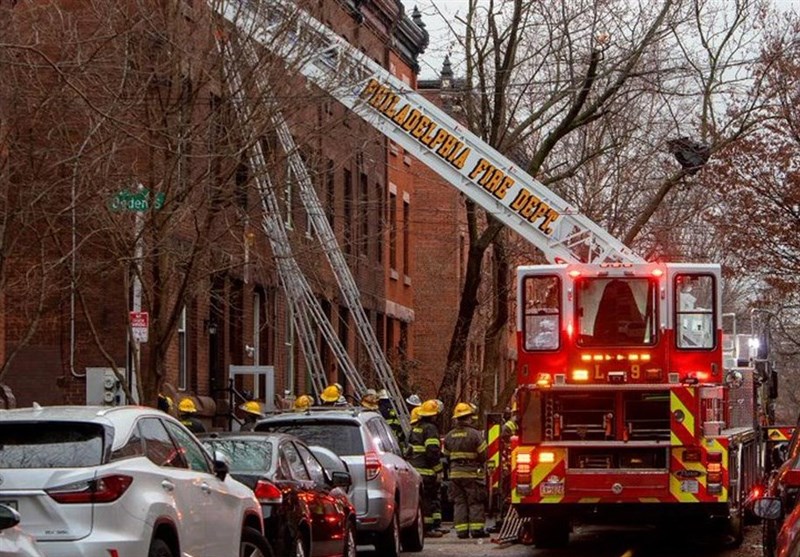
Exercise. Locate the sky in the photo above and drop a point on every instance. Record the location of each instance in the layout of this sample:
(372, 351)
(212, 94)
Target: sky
(442, 42)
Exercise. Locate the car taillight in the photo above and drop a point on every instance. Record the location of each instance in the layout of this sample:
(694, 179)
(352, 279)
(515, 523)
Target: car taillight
(268, 492)
(372, 465)
(101, 490)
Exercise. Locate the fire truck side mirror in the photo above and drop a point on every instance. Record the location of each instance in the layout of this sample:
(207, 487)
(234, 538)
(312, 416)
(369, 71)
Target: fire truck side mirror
(767, 507)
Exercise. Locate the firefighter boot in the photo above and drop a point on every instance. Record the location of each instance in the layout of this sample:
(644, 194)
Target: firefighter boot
(480, 533)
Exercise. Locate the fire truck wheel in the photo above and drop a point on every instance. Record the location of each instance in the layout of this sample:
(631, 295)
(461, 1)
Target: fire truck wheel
(550, 532)
(734, 531)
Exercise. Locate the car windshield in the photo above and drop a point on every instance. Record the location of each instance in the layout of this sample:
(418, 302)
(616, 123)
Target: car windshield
(616, 311)
(343, 438)
(50, 445)
(243, 455)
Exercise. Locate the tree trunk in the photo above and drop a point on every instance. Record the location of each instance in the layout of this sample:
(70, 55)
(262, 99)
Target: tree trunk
(495, 335)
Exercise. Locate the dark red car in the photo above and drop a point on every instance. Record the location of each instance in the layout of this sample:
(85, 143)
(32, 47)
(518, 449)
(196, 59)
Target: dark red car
(306, 509)
(776, 502)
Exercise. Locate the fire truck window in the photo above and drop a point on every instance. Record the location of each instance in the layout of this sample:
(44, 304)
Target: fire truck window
(616, 312)
(542, 312)
(694, 311)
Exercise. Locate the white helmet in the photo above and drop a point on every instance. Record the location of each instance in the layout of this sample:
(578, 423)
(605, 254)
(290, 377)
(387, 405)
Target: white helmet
(414, 400)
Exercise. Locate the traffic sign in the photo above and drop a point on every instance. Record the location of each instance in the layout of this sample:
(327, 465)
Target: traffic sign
(140, 321)
(136, 201)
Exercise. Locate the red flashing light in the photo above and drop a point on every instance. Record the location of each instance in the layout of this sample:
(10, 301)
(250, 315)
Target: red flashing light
(575, 273)
(657, 272)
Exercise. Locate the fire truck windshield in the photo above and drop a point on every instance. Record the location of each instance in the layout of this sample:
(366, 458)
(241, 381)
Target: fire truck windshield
(616, 311)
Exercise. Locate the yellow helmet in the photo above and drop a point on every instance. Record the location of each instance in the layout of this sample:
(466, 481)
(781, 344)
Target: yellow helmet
(415, 415)
(463, 409)
(330, 394)
(252, 407)
(429, 408)
(303, 402)
(187, 406)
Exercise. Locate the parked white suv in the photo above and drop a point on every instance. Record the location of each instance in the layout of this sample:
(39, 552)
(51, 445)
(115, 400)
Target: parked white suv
(122, 482)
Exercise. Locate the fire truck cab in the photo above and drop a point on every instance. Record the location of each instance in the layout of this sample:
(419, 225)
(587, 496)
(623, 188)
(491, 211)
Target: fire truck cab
(626, 409)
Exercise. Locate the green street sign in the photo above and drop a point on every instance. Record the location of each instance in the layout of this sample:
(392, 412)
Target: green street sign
(138, 201)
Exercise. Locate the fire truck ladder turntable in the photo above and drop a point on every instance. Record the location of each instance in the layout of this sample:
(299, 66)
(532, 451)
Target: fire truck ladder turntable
(307, 311)
(480, 172)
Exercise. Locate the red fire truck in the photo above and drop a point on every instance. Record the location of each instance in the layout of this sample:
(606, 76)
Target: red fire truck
(626, 409)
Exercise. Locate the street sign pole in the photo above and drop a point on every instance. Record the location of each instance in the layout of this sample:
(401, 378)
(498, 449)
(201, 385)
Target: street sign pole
(138, 252)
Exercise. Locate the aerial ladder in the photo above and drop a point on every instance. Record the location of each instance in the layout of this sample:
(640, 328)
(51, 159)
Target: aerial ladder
(307, 312)
(522, 203)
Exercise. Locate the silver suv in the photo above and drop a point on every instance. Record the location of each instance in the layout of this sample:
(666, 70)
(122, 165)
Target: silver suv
(386, 490)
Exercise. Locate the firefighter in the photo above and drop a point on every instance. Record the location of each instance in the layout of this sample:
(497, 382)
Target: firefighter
(370, 400)
(303, 403)
(165, 403)
(330, 395)
(252, 413)
(465, 448)
(389, 414)
(510, 426)
(424, 454)
(187, 410)
(413, 401)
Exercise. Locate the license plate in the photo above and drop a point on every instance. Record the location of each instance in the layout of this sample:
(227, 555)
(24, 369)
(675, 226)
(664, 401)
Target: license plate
(690, 486)
(551, 489)
(12, 504)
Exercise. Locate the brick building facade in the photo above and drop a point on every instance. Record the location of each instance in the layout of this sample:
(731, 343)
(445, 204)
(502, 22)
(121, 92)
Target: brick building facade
(232, 311)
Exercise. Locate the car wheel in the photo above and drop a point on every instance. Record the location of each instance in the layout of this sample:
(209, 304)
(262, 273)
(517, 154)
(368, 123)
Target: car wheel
(389, 542)
(349, 549)
(159, 548)
(413, 537)
(253, 544)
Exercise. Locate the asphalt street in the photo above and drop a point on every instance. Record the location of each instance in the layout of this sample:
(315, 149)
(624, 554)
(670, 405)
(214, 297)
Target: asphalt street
(594, 542)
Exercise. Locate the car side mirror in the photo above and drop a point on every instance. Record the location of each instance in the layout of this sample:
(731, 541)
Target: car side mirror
(8, 517)
(221, 466)
(768, 507)
(341, 479)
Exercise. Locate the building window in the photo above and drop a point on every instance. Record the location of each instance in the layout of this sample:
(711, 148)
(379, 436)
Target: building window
(330, 192)
(406, 238)
(256, 328)
(393, 230)
(364, 214)
(390, 348)
(348, 211)
(183, 352)
(381, 217)
(344, 337)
